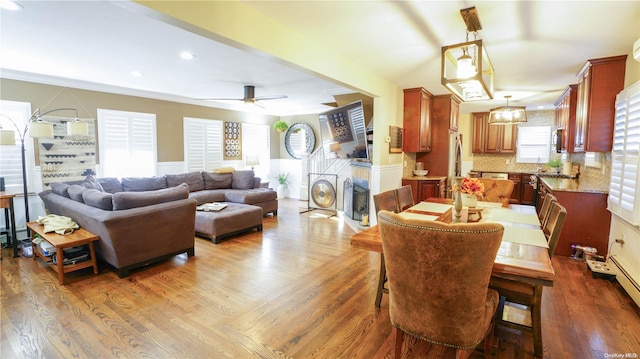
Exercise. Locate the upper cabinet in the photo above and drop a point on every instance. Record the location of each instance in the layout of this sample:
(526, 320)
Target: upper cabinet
(599, 81)
(417, 120)
(492, 138)
(566, 118)
(446, 109)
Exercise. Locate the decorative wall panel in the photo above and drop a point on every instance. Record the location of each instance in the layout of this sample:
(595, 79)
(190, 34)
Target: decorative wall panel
(66, 158)
(232, 141)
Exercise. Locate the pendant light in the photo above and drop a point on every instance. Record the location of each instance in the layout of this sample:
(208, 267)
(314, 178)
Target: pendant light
(507, 114)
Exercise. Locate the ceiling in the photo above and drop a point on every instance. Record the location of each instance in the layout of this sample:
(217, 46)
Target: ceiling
(537, 47)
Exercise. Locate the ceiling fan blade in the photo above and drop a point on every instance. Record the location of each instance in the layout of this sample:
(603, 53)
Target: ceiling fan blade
(264, 98)
(249, 97)
(220, 99)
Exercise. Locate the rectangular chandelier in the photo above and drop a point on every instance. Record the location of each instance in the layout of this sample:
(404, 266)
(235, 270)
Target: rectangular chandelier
(466, 69)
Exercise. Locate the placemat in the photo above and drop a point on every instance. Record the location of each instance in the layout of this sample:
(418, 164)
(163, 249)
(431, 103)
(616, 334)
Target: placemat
(522, 235)
(431, 207)
(426, 217)
(507, 215)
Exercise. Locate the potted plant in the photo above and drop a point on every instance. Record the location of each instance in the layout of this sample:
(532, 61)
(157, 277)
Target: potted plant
(280, 126)
(283, 184)
(555, 163)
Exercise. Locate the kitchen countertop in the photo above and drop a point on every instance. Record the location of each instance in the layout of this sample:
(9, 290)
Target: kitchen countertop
(573, 185)
(424, 178)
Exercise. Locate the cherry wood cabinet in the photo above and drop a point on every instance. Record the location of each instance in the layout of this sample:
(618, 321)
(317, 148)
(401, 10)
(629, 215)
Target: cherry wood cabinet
(426, 187)
(446, 108)
(492, 138)
(599, 81)
(516, 195)
(417, 120)
(565, 118)
(528, 192)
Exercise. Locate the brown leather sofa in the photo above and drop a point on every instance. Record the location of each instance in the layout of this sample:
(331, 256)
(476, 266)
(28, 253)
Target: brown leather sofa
(144, 220)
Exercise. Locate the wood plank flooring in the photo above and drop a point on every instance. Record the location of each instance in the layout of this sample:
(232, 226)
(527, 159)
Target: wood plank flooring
(295, 290)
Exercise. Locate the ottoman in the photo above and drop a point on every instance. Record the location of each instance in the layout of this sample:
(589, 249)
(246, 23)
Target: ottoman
(233, 219)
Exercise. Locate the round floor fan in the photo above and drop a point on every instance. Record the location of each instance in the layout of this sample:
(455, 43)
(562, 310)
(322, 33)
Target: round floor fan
(323, 193)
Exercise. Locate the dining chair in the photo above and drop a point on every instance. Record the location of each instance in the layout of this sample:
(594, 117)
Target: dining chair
(545, 207)
(438, 281)
(384, 201)
(529, 319)
(496, 190)
(404, 196)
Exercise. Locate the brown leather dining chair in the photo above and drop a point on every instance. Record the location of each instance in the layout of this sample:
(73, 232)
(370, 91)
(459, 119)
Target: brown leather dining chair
(438, 281)
(545, 207)
(529, 319)
(387, 201)
(496, 190)
(404, 196)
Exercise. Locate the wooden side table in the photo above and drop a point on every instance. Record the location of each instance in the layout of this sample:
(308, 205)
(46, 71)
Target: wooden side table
(6, 202)
(60, 242)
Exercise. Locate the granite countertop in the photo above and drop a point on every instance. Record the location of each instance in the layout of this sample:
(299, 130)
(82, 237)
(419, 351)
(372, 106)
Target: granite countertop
(573, 185)
(424, 178)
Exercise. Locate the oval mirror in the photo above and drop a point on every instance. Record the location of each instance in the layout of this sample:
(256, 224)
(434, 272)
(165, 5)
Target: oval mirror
(299, 140)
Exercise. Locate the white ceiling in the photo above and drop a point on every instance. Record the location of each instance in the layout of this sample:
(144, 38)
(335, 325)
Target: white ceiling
(537, 47)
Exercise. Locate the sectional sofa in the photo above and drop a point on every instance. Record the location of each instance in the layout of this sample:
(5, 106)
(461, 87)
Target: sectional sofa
(145, 220)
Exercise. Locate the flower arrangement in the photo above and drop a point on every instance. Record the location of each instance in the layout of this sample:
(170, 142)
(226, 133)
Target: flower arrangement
(470, 186)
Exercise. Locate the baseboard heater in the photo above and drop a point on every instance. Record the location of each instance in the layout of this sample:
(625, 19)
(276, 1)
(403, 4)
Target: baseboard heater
(626, 281)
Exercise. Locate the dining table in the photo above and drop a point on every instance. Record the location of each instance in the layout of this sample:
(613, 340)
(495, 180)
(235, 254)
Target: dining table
(523, 255)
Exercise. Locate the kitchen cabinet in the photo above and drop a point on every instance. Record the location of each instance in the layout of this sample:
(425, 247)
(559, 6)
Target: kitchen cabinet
(446, 109)
(599, 81)
(528, 192)
(426, 187)
(416, 120)
(492, 138)
(565, 118)
(588, 221)
(516, 195)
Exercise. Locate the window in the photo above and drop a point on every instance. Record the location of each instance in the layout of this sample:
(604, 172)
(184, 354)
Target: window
(202, 144)
(10, 156)
(534, 144)
(623, 197)
(256, 142)
(128, 145)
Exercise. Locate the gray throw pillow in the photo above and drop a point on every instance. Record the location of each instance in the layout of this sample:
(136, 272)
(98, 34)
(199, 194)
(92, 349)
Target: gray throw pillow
(95, 198)
(138, 184)
(127, 200)
(110, 184)
(193, 179)
(91, 182)
(75, 192)
(242, 179)
(60, 188)
(216, 180)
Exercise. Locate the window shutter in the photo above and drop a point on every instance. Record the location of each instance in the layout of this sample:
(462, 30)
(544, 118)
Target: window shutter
(202, 144)
(127, 143)
(534, 144)
(11, 156)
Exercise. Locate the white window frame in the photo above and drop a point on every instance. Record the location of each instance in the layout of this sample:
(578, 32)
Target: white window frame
(534, 144)
(203, 139)
(256, 141)
(109, 136)
(19, 113)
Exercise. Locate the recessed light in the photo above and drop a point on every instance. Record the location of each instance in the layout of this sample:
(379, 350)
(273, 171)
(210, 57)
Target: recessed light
(187, 55)
(136, 73)
(10, 5)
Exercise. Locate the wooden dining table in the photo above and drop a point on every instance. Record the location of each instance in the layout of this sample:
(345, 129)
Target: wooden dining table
(517, 259)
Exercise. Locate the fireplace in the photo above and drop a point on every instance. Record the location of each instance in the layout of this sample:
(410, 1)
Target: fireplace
(356, 198)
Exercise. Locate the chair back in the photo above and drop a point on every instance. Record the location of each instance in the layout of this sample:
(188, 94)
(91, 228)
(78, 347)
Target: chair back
(553, 226)
(385, 201)
(404, 196)
(496, 190)
(545, 207)
(438, 277)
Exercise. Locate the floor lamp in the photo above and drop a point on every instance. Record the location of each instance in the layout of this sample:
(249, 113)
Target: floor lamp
(35, 127)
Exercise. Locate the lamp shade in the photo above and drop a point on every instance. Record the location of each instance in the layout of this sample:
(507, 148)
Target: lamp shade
(40, 129)
(507, 114)
(77, 128)
(7, 138)
(466, 71)
(252, 160)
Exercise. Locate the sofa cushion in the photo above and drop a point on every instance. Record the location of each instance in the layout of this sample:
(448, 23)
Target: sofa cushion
(126, 200)
(242, 179)
(75, 192)
(98, 199)
(250, 196)
(217, 180)
(110, 184)
(208, 196)
(91, 182)
(138, 184)
(60, 188)
(193, 179)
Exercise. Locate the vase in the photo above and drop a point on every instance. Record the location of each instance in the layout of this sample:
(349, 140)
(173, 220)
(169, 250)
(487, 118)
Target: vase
(469, 200)
(457, 200)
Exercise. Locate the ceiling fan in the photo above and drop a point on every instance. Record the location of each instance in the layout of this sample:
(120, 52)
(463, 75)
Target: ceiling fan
(249, 97)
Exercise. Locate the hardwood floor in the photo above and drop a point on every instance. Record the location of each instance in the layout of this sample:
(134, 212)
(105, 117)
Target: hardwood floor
(295, 290)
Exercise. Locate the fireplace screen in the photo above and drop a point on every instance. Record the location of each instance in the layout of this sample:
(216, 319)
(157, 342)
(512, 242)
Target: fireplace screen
(356, 200)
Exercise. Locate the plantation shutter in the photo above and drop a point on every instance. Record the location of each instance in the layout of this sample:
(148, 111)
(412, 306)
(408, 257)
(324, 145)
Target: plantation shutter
(202, 144)
(534, 144)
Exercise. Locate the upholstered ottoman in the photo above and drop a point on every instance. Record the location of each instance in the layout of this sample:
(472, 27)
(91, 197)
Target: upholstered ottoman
(233, 219)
